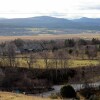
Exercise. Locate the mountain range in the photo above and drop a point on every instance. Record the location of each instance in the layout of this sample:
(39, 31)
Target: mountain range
(52, 22)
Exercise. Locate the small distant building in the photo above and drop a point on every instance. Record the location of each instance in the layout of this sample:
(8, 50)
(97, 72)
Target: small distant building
(18, 51)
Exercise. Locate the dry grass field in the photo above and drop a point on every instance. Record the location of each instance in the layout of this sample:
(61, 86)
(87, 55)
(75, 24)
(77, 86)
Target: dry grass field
(14, 96)
(51, 37)
(70, 63)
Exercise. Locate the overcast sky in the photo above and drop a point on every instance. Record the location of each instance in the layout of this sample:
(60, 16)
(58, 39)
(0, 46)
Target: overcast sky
(55, 8)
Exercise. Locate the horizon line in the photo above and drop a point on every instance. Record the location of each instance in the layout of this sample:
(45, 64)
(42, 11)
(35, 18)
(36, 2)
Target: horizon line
(47, 16)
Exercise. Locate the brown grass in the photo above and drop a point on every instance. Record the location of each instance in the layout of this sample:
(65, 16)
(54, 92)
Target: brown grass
(50, 37)
(14, 96)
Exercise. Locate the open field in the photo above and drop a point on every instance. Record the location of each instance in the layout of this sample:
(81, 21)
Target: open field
(50, 37)
(14, 96)
(81, 63)
(70, 63)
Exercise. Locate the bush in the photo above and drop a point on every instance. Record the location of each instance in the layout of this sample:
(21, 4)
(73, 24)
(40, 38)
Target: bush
(68, 92)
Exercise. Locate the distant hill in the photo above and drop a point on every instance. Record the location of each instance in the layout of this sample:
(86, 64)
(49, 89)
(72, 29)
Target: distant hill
(52, 22)
(39, 22)
(89, 21)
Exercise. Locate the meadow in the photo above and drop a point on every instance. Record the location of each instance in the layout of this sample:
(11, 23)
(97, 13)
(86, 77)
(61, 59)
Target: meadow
(70, 63)
(40, 63)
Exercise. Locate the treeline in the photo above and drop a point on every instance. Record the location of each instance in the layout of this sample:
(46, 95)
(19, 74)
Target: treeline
(54, 53)
(25, 46)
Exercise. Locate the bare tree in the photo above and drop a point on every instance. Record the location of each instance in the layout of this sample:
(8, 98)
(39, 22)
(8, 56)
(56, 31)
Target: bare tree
(30, 59)
(60, 58)
(63, 57)
(91, 52)
(45, 57)
(10, 52)
(55, 58)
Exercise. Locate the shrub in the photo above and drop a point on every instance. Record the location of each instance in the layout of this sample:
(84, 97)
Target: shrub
(68, 92)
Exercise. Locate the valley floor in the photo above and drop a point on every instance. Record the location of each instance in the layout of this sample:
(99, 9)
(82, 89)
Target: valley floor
(51, 37)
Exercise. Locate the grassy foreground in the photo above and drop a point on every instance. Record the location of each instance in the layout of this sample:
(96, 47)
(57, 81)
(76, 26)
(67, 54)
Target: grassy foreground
(14, 96)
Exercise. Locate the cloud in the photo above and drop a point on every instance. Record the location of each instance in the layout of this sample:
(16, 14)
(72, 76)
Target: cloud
(57, 14)
(56, 8)
(96, 7)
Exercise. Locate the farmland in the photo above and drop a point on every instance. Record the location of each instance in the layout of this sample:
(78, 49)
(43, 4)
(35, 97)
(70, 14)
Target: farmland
(51, 37)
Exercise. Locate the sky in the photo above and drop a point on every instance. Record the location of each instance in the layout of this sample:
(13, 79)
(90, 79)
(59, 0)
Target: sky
(70, 9)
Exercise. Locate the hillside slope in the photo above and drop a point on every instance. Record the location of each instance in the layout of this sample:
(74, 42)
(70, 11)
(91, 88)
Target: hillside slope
(52, 22)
